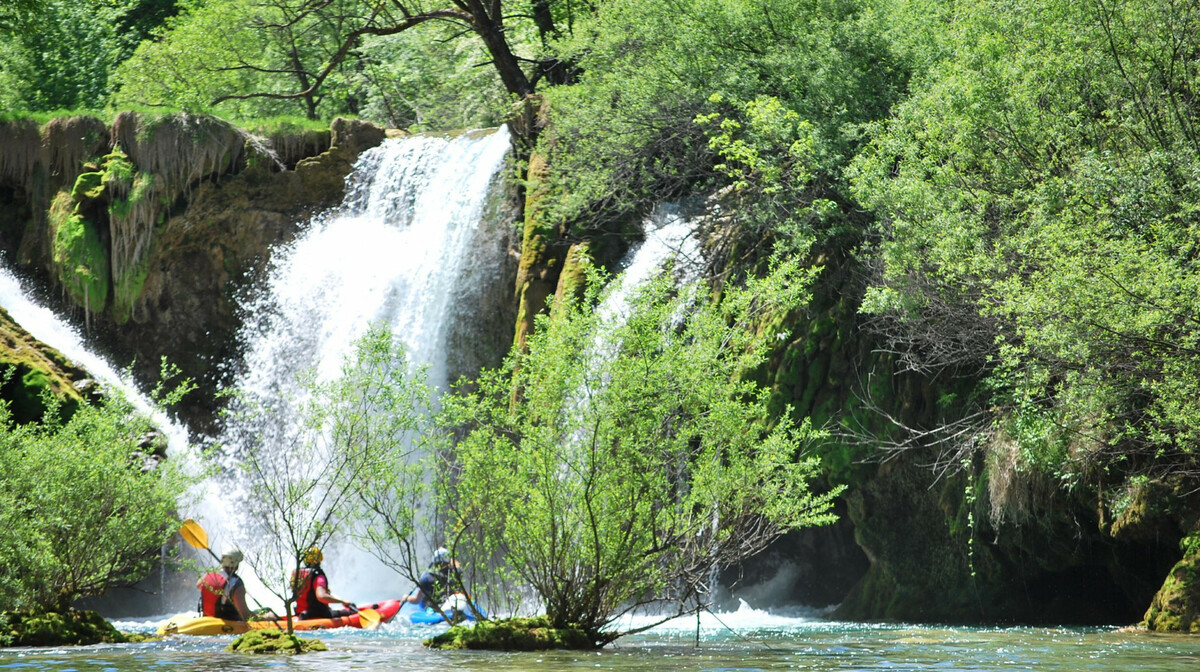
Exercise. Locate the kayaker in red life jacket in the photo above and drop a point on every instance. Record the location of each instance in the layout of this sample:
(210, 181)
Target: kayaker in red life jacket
(312, 590)
(222, 594)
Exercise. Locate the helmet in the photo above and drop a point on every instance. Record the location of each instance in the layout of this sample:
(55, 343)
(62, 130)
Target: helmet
(313, 556)
(441, 557)
(231, 558)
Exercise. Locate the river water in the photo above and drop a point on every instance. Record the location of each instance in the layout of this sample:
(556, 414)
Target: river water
(744, 640)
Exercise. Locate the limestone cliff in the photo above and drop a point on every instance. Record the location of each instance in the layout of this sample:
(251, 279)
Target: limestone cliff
(149, 226)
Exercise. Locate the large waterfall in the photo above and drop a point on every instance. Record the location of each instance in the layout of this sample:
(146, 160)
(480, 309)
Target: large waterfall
(420, 243)
(423, 242)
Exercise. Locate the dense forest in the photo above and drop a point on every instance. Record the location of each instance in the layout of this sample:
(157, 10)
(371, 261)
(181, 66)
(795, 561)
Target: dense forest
(999, 351)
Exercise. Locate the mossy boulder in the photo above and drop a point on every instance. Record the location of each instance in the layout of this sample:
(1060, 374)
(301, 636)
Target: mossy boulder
(276, 642)
(512, 634)
(37, 369)
(48, 628)
(1176, 606)
(80, 260)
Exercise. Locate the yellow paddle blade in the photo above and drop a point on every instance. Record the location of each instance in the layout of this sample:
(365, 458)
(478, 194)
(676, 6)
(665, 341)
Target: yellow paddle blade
(193, 534)
(369, 619)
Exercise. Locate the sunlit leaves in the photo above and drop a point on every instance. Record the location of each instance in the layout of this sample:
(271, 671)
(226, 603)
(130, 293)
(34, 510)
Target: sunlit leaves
(607, 466)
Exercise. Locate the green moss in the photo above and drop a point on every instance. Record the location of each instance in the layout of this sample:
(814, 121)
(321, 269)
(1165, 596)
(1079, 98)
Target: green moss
(275, 642)
(1176, 606)
(79, 257)
(88, 186)
(513, 634)
(141, 637)
(118, 169)
(47, 628)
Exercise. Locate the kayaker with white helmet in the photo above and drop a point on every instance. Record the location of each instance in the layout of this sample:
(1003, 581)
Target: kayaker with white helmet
(433, 585)
(222, 594)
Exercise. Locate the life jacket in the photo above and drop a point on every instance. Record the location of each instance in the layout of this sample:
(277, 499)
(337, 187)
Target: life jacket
(307, 604)
(213, 598)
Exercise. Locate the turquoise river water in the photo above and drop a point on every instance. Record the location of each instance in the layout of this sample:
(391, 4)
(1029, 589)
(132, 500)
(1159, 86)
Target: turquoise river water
(740, 641)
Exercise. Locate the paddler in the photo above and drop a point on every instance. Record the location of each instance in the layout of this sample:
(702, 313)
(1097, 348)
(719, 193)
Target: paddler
(312, 590)
(432, 586)
(222, 594)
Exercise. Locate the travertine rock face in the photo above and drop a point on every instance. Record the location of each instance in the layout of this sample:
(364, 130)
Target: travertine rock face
(188, 215)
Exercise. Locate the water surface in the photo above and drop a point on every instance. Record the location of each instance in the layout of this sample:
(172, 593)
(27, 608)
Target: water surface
(747, 640)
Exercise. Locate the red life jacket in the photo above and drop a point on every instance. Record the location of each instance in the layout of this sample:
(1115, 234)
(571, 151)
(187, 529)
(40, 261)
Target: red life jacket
(211, 592)
(307, 603)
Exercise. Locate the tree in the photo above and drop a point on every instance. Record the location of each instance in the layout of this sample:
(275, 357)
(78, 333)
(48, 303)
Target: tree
(625, 135)
(59, 55)
(307, 50)
(83, 505)
(311, 460)
(623, 471)
(384, 406)
(1037, 191)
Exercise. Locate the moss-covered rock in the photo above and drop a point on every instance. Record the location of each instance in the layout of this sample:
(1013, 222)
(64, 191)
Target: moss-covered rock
(37, 369)
(1176, 606)
(543, 249)
(47, 628)
(512, 634)
(80, 260)
(272, 641)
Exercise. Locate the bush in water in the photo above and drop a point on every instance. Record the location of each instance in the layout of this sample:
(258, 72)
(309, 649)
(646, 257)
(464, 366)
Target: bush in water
(612, 473)
(82, 507)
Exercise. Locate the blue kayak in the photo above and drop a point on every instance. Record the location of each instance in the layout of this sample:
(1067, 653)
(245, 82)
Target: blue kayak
(457, 604)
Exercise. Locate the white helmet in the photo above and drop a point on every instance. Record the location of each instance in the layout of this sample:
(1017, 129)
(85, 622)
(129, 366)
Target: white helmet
(441, 557)
(231, 558)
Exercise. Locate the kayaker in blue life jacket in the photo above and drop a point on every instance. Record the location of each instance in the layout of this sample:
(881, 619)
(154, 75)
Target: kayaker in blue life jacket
(222, 594)
(433, 585)
(312, 590)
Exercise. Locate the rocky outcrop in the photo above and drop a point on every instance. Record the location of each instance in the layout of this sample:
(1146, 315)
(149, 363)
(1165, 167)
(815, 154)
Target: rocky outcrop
(1176, 605)
(151, 226)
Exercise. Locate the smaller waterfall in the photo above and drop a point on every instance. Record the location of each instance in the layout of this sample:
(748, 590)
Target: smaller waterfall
(667, 235)
(45, 326)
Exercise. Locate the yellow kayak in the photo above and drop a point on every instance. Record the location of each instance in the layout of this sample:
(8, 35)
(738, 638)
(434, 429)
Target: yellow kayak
(211, 625)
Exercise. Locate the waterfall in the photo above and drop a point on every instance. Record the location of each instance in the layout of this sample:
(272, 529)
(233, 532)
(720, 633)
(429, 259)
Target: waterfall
(415, 244)
(666, 234)
(45, 326)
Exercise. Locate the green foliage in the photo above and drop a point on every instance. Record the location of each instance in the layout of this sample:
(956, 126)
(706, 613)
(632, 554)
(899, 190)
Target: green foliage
(185, 68)
(627, 134)
(58, 53)
(82, 508)
(1038, 190)
(424, 80)
(627, 465)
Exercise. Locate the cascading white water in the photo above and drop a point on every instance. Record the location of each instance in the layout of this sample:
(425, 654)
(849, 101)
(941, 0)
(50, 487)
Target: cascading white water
(668, 234)
(45, 326)
(397, 251)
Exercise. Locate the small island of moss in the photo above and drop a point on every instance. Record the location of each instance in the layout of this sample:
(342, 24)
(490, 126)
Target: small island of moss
(512, 634)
